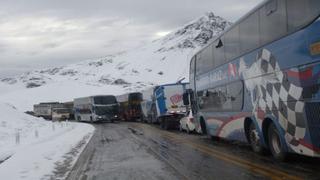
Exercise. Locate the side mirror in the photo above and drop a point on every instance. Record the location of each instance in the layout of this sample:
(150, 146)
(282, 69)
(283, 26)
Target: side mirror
(186, 99)
(220, 44)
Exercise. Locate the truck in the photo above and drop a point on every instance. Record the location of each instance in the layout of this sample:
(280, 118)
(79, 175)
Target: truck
(44, 109)
(60, 114)
(169, 106)
(96, 108)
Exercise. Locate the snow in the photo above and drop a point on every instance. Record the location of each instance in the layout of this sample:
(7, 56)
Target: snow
(24, 99)
(35, 146)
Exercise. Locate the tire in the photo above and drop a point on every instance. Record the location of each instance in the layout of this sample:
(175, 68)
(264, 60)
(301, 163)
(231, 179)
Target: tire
(166, 125)
(188, 130)
(161, 123)
(203, 127)
(254, 139)
(277, 147)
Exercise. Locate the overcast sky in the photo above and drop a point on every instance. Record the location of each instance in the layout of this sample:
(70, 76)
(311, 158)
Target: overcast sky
(45, 33)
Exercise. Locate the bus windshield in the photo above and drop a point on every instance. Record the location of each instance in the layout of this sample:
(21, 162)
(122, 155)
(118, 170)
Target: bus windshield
(102, 110)
(105, 100)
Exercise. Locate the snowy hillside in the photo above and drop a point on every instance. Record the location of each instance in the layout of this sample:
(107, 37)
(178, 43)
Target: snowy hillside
(164, 60)
(31, 148)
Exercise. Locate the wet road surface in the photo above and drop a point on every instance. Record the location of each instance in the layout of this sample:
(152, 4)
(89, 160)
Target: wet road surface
(142, 151)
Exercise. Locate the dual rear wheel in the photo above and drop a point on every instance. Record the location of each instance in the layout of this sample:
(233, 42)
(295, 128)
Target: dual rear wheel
(276, 146)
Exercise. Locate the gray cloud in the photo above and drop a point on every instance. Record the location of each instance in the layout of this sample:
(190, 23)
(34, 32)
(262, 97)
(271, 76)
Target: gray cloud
(51, 45)
(2, 47)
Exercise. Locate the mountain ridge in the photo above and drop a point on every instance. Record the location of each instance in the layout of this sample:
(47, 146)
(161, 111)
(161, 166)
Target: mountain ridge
(165, 60)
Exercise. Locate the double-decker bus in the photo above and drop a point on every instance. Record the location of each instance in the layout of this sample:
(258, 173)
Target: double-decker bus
(96, 108)
(259, 80)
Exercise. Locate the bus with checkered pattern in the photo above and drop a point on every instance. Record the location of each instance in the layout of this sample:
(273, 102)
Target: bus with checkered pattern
(259, 80)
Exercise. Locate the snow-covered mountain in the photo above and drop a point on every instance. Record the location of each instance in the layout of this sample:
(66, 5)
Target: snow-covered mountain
(165, 60)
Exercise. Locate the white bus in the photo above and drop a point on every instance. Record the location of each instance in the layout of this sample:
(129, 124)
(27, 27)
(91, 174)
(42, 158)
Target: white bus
(96, 108)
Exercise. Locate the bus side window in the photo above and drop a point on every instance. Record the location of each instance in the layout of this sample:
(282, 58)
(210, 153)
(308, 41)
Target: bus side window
(232, 43)
(207, 61)
(250, 33)
(235, 95)
(198, 64)
(273, 21)
(200, 99)
(218, 53)
(300, 13)
(271, 7)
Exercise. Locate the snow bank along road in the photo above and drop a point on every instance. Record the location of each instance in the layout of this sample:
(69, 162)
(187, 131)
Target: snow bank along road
(49, 156)
(141, 151)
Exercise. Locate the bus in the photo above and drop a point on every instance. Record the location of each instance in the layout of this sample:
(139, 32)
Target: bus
(130, 106)
(96, 108)
(259, 80)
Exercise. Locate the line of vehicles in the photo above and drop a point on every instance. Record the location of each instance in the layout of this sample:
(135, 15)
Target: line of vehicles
(257, 82)
(158, 105)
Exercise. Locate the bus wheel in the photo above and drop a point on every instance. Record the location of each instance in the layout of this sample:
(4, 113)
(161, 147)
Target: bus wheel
(276, 146)
(188, 130)
(254, 138)
(161, 123)
(203, 127)
(164, 124)
(166, 127)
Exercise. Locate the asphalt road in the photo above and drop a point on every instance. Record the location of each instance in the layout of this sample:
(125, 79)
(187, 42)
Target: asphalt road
(140, 151)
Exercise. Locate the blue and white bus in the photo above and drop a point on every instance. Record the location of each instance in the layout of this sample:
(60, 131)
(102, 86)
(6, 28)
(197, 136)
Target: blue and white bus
(259, 80)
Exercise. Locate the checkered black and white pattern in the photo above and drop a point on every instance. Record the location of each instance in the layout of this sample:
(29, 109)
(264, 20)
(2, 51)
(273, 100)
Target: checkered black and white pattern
(279, 97)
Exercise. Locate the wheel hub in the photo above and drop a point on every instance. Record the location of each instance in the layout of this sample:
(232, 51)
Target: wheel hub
(254, 136)
(276, 143)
